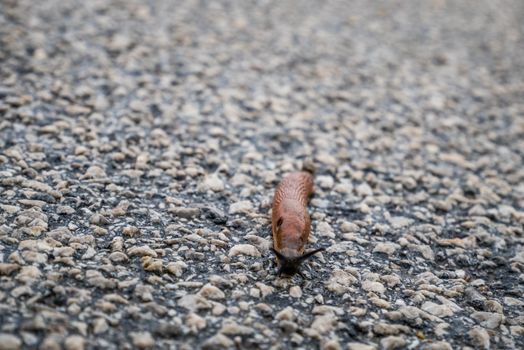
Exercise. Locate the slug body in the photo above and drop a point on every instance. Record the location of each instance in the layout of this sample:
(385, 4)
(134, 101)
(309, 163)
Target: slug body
(291, 223)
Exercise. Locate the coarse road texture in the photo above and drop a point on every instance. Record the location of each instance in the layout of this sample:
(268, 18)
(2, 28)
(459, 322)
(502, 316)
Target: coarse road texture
(141, 142)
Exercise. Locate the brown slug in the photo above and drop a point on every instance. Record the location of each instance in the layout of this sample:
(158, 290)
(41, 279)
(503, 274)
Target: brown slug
(291, 223)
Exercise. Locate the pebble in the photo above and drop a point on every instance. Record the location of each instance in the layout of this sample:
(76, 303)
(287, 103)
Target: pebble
(325, 182)
(386, 248)
(240, 207)
(324, 229)
(176, 268)
(488, 320)
(7, 269)
(437, 310)
(51, 342)
(391, 280)
(142, 340)
(28, 274)
(130, 231)
(295, 292)
(193, 302)
(474, 298)
(392, 342)
(372, 286)
(212, 183)
(218, 341)
(152, 265)
(64, 210)
(244, 249)
(364, 190)
(399, 222)
(211, 292)
(186, 213)
(142, 251)
(195, 322)
(230, 327)
(321, 325)
(479, 338)
(100, 325)
(287, 314)
(9, 342)
(494, 306)
(410, 312)
(510, 301)
(98, 219)
(361, 346)
(94, 172)
(348, 227)
(74, 342)
(340, 281)
(383, 328)
(439, 345)
(331, 345)
(118, 257)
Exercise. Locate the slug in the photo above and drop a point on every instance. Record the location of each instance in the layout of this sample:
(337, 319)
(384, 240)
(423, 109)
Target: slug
(291, 223)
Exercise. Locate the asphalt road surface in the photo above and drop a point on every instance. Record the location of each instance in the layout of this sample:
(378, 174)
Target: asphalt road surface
(141, 142)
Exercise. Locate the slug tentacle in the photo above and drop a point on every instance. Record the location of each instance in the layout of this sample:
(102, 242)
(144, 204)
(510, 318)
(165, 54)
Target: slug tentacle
(291, 223)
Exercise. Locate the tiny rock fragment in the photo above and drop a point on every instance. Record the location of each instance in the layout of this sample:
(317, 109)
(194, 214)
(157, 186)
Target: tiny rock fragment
(295, 292)
(212, 183)
(240, 207)
(479, 338)
(74, 342)
(142, 340)
(9, 342)
(244, 249)
(218, 341)
(392, 342)
(141, 251)
(94, 172)
(372, 286)
(7, 269)
(130, 231)
(209, 291)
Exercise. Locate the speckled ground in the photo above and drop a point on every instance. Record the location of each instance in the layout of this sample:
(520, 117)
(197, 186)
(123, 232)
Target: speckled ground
(141, 141)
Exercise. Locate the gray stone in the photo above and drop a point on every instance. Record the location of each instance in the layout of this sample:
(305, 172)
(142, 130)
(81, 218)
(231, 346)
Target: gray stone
(10, 342)
(479, 338)
(142, 340)
(489, 320)
(392, 342)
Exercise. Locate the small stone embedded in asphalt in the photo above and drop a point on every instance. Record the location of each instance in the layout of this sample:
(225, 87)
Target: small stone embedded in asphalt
(212, 183)
(142, 340)
(371, 286)
(479, 338)
(244, 249)
(437, 310)
(214, 214)
(386, 248)
(240, 207)
(10, 342)
(295, 292)
(361, 346)
(488, 320)
(74, 342)
(211, 292)
(141, 143)
(392, 342)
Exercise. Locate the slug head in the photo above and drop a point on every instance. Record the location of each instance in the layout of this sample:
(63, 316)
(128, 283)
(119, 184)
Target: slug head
(290, 266)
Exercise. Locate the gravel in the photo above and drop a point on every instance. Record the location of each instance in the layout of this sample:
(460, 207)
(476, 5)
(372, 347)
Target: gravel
(141, 142)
